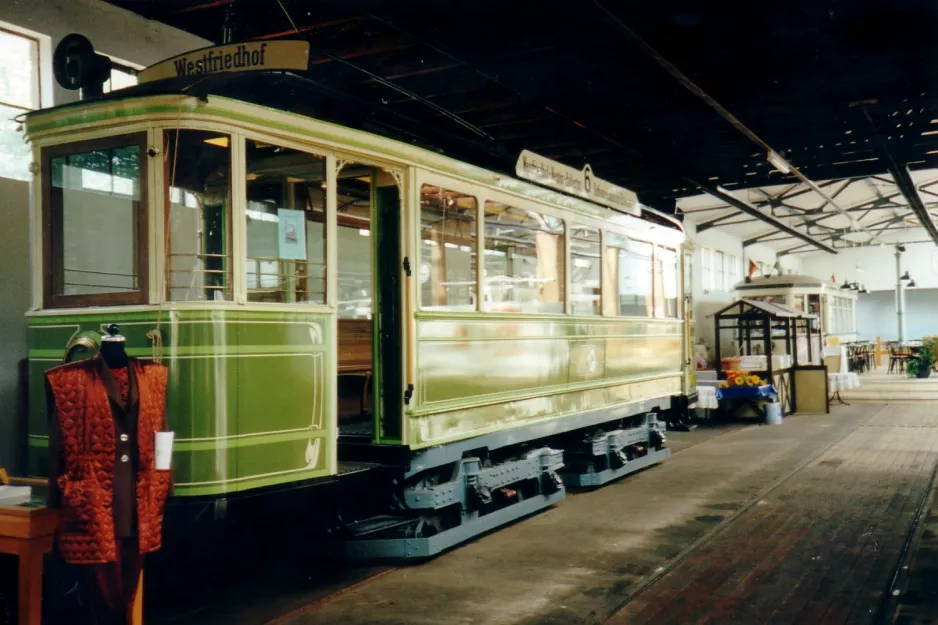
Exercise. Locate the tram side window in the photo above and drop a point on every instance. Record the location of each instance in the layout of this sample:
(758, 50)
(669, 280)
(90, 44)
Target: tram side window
(523, 261)
(627, 264)
(666, 285)
(585, 270)
(286, 225)
(198, 182)
(95, 205)
(448, 247)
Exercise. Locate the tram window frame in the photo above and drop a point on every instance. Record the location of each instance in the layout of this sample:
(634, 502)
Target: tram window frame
(612, 298)
(432, 269)
(52, 225)
(579, 290)
(226, 259)
(314, 298)
(488, 304)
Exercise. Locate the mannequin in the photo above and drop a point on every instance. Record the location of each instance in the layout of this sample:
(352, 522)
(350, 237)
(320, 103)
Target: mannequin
(112, 348)
(110, 494)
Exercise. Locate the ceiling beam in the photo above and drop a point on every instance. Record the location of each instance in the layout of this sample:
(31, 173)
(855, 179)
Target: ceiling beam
(800, 213)
(752, 211)
(903, 178)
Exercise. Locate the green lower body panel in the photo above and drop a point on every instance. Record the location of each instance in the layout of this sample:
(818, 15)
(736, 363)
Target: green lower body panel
(250, 393)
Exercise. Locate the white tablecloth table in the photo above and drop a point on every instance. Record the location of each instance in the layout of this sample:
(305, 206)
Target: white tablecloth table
(842, 382)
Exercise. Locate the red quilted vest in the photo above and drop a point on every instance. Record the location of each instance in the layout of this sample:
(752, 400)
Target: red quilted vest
(86, 426)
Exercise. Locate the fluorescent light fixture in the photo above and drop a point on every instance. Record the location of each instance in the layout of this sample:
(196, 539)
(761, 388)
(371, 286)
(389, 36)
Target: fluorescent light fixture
(364, 233)
(778, 162)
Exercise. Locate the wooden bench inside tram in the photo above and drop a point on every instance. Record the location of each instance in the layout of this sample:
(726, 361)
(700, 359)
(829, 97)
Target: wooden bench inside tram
(355, 359)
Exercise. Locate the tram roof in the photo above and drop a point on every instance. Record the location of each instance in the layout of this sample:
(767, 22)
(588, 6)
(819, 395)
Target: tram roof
(295, 93)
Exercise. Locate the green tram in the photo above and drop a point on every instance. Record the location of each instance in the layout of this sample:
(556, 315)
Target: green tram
(331, 301)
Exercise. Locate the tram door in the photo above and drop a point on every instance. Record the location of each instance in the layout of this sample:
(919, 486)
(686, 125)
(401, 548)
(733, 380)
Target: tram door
(369, 304)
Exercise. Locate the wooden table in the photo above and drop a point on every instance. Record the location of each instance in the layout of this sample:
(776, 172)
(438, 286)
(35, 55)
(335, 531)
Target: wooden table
(28, 533)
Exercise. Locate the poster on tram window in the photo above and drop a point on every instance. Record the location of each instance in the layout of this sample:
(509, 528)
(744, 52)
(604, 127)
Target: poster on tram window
(292, 234)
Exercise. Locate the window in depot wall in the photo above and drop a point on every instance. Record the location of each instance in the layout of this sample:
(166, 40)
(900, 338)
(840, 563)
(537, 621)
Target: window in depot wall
(286, 225)
(733, 270)
(198, 191)
(523, 263)
(19, 94)
(706, 268)
(585, 270)
(719, 271)
(94, 200)
(448, 249)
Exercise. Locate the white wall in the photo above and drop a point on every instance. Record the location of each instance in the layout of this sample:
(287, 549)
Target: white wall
(878, 265)
(114, 32)
(876, 315)
(875, 268)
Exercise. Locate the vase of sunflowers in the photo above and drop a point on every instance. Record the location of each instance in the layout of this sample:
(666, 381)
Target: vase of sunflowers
(740, 378)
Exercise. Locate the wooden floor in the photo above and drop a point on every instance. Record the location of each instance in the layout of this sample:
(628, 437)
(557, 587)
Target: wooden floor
(822, 547)
(823, 519)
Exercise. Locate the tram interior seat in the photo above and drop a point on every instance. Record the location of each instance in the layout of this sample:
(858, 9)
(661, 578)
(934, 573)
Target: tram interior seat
(354, 362)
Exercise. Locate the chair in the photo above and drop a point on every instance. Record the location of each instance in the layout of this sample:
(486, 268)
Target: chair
(894, 356)
(899, 356)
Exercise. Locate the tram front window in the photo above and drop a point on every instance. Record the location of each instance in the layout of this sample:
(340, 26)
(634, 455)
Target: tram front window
(95, 205)
(198, 179)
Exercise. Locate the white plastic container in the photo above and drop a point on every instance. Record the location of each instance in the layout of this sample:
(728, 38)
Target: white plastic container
(773, 413)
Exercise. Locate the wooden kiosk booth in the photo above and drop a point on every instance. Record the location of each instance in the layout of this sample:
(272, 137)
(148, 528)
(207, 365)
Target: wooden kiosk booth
(778, 343)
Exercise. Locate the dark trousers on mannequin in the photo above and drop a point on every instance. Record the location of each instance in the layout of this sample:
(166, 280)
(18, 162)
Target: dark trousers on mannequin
(112, 586)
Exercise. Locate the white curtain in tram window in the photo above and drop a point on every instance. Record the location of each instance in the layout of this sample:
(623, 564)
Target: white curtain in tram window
(610, 282)
(437, 268)
(669, 280)
(658, 290)
(547, 278)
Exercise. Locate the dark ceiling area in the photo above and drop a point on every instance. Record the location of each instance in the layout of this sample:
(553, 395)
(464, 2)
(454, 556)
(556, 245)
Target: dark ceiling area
(838, 88)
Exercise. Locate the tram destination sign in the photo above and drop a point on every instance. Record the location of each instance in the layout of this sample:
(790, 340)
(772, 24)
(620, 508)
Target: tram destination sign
(236, 57)
(579, 182)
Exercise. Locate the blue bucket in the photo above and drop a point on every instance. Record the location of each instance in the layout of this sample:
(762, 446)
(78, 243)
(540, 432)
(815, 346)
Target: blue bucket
(773, 413)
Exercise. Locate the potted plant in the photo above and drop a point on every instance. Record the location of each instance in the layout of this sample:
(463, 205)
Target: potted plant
(920, 364)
